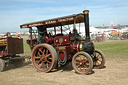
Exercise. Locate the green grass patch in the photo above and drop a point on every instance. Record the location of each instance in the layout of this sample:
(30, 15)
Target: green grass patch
(114, 49)
(27, 50)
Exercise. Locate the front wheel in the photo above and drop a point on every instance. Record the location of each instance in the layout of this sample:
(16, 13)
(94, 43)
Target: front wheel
(99, 59)
(82, 63)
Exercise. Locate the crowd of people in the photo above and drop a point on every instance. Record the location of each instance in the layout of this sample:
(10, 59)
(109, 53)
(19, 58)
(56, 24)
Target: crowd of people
(98, 37)
(111, 36)
(8, 34)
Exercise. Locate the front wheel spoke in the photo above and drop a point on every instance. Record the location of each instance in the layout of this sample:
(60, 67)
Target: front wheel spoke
(97, 63)
(80, 67)
(85, 66)
(77, 62)
(77, 59)
(86, 60)
(98, 56)
(99, 60)
(80, 58)
(47, 65)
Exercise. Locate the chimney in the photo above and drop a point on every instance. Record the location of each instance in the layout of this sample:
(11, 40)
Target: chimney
(86, 21)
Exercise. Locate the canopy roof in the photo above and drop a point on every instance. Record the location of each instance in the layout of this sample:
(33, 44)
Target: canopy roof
(60, 21)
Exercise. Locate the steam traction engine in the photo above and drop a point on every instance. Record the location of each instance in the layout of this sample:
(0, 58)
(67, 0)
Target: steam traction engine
(51, 48)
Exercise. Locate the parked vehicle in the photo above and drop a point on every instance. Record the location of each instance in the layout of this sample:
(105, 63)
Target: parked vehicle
(10, 48)
(51, 49)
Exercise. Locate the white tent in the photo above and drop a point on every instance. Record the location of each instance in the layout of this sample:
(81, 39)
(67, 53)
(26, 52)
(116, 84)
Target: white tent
(82, 30)
(94, 30)
(125, 29)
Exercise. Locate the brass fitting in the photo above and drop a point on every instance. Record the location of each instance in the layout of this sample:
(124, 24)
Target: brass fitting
(86, 11)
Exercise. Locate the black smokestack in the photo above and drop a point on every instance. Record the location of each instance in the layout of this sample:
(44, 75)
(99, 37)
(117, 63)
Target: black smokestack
(86, 21)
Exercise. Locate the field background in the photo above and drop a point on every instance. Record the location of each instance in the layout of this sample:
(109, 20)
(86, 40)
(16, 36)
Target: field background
(114, 73)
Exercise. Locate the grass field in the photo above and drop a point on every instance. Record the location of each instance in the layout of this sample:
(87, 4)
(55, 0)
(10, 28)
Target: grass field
(114, 48)
(27, 50)
(111, 49)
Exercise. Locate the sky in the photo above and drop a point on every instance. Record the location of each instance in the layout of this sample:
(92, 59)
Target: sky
(13, 13)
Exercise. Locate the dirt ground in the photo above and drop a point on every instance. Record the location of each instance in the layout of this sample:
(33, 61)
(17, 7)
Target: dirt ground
(114, 73)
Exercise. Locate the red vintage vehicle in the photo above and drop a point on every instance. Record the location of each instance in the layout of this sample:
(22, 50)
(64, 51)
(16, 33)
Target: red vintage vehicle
(51, 49)
(10, 48)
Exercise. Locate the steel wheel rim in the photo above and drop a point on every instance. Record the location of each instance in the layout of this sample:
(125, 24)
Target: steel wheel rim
(42, 59)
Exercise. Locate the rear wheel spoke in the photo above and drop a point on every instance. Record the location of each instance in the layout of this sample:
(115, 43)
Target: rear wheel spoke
(37, 57)
(40, 50)
(39, 53)
(38, 61)
(41, 65)
(43, 51)
(50, 58)
(46, 52)
(49, 62)
(48, 55)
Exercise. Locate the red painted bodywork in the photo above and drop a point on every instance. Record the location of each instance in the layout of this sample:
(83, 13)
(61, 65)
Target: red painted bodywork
(62, 40)
(63, 43)
(67, 50)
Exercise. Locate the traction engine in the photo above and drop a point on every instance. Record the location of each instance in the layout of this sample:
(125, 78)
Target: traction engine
(49, 51)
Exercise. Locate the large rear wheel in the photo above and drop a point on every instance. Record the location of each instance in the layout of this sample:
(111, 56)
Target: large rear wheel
(82, 63)
(44, 57)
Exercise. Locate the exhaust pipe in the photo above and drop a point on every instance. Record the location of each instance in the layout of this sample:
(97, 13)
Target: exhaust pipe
(86, 21)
